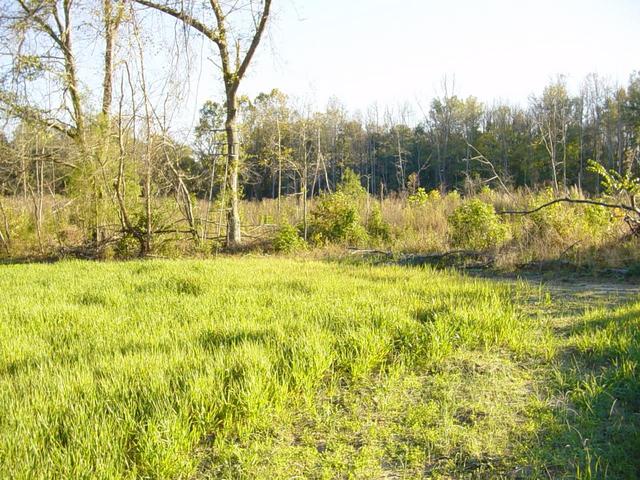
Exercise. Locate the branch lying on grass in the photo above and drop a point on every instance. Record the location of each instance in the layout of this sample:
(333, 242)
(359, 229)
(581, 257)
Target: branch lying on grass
(358, 251)
(486, 259)
(479, 259)
(466, 253)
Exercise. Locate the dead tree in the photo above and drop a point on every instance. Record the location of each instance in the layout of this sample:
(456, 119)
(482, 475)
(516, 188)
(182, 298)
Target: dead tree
(480, 158)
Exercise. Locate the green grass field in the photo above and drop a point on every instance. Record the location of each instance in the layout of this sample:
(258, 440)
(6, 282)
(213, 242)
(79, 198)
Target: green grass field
(274, 368)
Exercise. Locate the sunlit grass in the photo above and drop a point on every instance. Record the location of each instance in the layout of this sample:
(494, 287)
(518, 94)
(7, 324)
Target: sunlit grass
(272, 368)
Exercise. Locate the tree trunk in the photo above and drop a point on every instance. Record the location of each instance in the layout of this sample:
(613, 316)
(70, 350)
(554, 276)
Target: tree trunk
(279, 167)
(108, 58)
(234, 235)
(304, 179)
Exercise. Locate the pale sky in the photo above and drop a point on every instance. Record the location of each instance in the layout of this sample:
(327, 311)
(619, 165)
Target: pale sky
(391, 52)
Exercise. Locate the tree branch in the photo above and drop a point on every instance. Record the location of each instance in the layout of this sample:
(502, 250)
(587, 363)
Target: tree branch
(256, 40)
(26, 112)
(184, 17)
(619, 206)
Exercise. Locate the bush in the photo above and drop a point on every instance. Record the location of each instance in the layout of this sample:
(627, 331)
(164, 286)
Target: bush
(475, 225)
(350, 185)
(377, 228)
(555, 221)
(335, 219)
(453, 196)
(422, 197)
(562, 223)
(288, 240)
(126, 247)
(597, 219)
(486, 193)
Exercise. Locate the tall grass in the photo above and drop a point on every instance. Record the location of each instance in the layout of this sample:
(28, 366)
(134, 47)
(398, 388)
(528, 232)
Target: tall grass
(582, 235)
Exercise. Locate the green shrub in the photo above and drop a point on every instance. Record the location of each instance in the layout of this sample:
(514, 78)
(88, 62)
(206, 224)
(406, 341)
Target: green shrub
(422, 197)
(475, 225)
(126, 247)
(564, 222)
(419, 198)
(335, 219)
(552, 221)
(596, 218)
(453, 196)
(486, 194)
(288, 240)
(350, 185)
(486, 190)
(377, 228)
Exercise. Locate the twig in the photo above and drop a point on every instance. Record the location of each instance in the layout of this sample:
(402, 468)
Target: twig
(569, 248)
(485, 161)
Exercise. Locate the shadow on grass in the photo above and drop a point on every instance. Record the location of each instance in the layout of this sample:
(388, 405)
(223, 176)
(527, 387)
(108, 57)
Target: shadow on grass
(626, 314)
(14, 368)
(29, 260)
(595, 423)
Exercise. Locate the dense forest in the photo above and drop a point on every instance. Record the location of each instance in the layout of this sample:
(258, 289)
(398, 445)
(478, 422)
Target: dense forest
(459, 141)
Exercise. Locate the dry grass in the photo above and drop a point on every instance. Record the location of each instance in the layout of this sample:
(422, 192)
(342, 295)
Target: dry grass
(578, 234)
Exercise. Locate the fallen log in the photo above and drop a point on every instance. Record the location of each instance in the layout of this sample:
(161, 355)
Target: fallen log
(358, 251)
(470, 258)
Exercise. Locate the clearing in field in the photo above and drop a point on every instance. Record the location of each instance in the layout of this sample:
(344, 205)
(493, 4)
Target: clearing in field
(262, 368)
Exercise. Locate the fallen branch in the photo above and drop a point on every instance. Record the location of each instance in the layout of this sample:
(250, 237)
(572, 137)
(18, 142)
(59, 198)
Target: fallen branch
(436, 258)
(357, 251)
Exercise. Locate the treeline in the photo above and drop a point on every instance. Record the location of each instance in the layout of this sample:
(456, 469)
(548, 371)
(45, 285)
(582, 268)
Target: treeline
(289, 151)
(458, 142)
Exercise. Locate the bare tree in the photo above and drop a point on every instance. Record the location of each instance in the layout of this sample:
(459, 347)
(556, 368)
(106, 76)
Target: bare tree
(39, 36)
(551, 112)
(234, 63)
(111, 20)
(42, 87)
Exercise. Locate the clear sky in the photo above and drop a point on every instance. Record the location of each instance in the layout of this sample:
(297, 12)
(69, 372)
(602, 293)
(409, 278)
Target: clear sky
(391, 52)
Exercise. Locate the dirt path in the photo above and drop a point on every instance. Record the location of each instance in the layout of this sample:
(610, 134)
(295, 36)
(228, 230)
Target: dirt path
(568, 298)
(571, 294)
